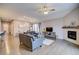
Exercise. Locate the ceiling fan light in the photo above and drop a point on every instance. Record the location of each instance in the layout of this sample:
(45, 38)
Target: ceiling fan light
(45, 13)
(45, 9)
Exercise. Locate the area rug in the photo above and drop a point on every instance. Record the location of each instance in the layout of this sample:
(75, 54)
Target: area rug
(48, 42)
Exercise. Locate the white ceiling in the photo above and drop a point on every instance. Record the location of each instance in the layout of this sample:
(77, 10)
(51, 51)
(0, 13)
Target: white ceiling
(22, 10)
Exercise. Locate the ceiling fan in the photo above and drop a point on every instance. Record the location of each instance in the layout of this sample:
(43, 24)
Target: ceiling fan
(45, 9)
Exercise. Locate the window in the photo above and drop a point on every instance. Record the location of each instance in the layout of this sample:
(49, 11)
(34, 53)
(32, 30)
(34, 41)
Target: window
(36, 27)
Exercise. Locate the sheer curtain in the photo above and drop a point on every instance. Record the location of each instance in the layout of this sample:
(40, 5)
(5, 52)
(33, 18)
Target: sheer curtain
(36, 28)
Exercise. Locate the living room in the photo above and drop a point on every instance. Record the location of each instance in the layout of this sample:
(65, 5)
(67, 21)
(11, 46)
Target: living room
(48, 23)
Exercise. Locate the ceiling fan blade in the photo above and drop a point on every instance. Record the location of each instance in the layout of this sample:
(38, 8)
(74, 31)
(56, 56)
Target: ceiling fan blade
(52, 10)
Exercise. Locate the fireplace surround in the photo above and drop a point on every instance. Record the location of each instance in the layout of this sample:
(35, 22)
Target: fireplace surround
(71, 35)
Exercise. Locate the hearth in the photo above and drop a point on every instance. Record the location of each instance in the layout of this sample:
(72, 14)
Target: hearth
(72, 35)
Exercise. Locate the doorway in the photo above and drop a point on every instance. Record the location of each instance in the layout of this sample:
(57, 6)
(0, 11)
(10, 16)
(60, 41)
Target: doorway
(6, 26)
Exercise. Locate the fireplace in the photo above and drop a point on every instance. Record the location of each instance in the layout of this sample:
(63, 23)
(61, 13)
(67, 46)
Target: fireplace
(72, 35)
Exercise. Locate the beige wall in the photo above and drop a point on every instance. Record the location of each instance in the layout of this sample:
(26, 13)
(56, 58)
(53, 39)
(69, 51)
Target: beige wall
(19, 27)
(57, 24)
(0, 28)
(0, 24)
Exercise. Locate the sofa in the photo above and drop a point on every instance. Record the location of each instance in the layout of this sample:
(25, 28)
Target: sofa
(30, 41)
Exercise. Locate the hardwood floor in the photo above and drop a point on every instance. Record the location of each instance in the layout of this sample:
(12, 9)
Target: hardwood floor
(10, 46)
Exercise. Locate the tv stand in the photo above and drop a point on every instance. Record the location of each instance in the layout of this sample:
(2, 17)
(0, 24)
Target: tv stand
(50, 34)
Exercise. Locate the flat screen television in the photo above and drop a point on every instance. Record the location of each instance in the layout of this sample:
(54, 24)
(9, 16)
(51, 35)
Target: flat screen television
(49, 29)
